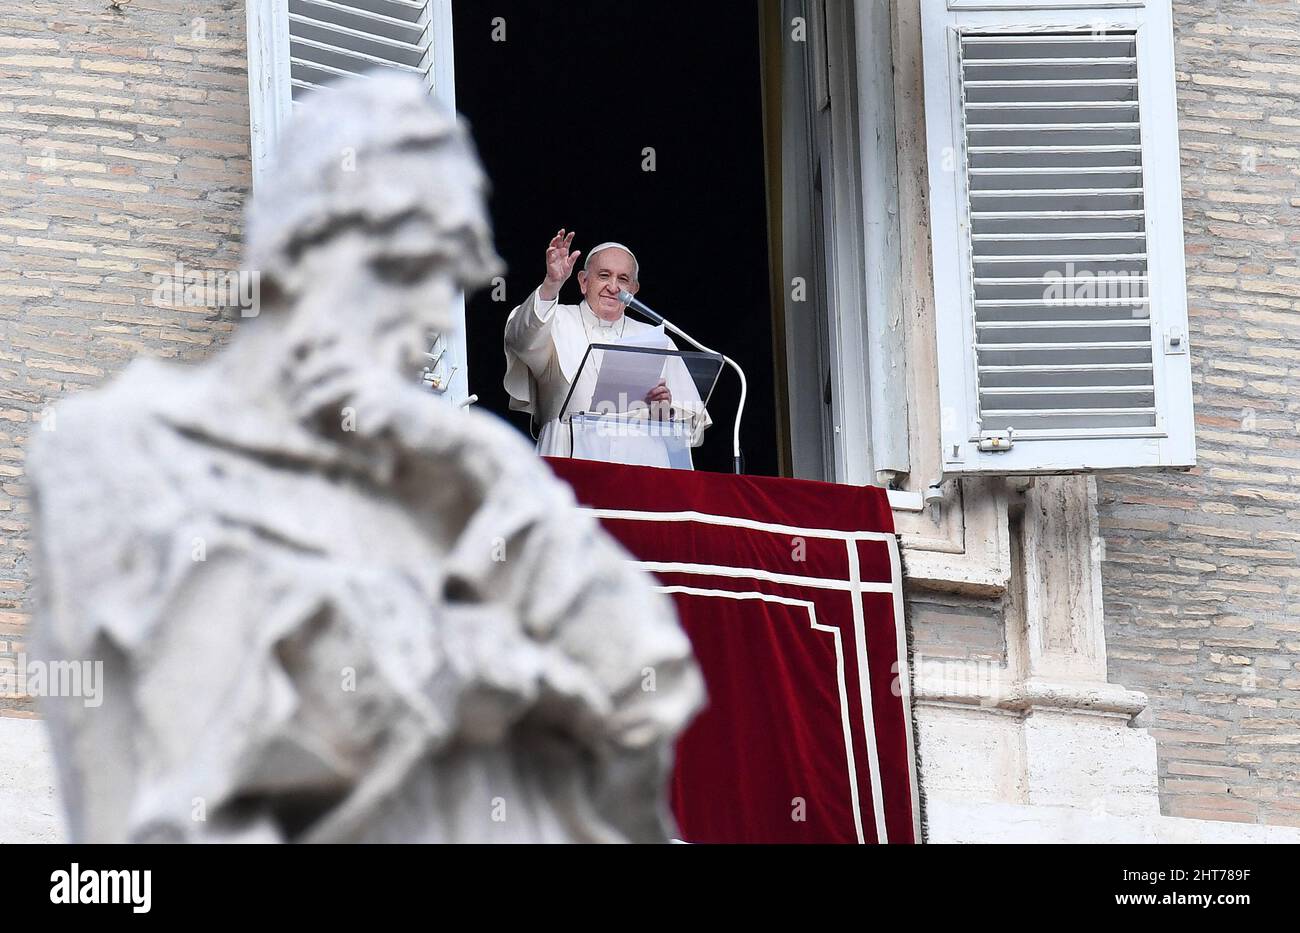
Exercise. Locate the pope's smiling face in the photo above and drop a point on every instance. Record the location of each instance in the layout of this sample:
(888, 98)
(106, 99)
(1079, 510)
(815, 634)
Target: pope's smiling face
(611, 271)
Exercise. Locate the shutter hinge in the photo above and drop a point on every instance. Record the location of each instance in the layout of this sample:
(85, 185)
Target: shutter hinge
(995, 441)
(1175, 341)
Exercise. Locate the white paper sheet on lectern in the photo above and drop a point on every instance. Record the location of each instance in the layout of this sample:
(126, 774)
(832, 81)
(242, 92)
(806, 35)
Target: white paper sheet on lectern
(626, 377)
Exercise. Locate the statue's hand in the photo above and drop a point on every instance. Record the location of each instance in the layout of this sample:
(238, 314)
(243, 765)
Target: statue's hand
(385, 404)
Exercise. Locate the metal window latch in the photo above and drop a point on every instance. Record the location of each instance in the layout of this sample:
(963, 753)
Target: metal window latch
(437, 381)
(995, 441)
(433, 375)
(1175, 341)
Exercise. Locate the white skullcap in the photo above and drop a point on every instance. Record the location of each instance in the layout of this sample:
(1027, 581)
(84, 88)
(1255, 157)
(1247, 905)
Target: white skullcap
(636, 266)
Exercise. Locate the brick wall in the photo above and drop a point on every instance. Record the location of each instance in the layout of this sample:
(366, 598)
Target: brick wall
(1202, 570)
(123, 150)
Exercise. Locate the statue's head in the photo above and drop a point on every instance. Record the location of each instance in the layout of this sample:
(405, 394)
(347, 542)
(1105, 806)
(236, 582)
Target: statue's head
(369, 222)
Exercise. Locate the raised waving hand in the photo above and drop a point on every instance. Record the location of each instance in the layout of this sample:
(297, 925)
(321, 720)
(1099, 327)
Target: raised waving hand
(559, 264)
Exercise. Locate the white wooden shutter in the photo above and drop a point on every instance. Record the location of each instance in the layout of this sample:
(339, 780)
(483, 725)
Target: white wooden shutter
(297, 47)
(330, 39)
(1056, 224)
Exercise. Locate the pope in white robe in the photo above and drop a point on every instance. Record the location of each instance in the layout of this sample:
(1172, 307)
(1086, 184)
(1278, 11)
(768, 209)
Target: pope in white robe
(545, 343)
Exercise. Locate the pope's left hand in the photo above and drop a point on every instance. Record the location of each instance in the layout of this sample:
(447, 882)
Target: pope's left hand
(660, 400)
(659, 393)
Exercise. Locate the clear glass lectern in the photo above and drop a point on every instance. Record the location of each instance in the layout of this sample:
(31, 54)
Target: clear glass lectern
(609, 417)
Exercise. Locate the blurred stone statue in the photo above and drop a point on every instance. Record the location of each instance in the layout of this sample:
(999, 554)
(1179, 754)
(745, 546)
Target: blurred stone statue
(331, 606)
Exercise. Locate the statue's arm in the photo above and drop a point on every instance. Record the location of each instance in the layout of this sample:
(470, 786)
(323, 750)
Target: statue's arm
(625, 683)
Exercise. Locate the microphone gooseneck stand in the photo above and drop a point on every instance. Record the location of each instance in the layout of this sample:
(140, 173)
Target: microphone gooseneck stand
(737, 461)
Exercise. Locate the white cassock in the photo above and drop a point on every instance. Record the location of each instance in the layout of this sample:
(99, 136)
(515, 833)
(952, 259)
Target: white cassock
(545, 343)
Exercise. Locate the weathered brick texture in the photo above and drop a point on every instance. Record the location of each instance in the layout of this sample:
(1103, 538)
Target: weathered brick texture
(1202, 570)
(123, 150)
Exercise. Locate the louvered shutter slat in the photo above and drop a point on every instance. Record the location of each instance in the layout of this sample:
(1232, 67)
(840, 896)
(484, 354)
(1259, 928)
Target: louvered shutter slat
(343, 59)
(305, 85)
(364, 17)
(345, 40)
(303, 66)
(331, 39)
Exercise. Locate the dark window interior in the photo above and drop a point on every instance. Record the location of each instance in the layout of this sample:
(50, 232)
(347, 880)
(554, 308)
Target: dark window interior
(561, 112)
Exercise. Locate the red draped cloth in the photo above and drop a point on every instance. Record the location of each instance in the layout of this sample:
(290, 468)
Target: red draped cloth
(790, 592)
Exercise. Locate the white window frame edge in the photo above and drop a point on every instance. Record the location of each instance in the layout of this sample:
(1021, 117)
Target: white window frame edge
(850, 458)
(810, 430)
(270, 96)
(270, 107)
(881, 236)
(864, 322)
(1172, 444)
(443, 74)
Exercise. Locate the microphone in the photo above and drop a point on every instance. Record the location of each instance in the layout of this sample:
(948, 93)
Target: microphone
(654, 316)
(640, 306)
